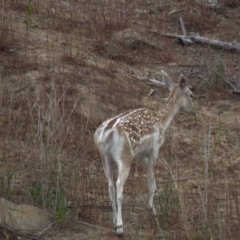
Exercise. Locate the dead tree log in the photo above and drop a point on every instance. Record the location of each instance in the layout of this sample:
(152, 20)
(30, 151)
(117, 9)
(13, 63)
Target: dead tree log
(235, 46)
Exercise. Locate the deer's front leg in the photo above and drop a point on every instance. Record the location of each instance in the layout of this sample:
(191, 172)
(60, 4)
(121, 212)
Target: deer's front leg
(151, 184)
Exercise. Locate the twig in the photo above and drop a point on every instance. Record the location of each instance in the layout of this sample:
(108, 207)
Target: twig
(141, 11)
(21, 89)
(65, 3)
(175, 11)
(91, 225)
(140, 78)
(183, 27)
(45, 229)
(151, 92)
(187, 65)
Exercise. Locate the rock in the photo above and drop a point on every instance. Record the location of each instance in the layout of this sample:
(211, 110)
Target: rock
(22, 218)
(187, 141)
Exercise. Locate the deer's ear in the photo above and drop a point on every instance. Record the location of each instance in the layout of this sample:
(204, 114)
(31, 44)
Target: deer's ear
(182, 81)
(167, 80)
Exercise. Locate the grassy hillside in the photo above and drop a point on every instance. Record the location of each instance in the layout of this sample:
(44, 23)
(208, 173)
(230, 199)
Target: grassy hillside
(63, 71)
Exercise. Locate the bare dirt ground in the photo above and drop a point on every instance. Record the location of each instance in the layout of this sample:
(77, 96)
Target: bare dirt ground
(62, 73)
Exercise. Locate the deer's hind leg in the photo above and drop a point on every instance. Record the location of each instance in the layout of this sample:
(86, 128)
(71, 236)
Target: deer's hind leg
(108, 167)
(124, 164)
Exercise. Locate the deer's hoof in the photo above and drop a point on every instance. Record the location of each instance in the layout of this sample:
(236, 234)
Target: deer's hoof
(119, 230)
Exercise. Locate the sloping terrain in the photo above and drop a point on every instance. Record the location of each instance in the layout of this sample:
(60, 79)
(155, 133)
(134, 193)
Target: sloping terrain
(63, 71)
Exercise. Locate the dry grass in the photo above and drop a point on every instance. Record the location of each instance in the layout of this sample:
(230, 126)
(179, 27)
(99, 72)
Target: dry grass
(59, 82)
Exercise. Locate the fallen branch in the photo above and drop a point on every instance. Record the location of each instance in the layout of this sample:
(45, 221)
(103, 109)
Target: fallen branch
(192, 37)
(212, 42)
(217, 43)
(156, 82)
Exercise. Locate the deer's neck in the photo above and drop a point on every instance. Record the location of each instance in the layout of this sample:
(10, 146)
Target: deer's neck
(168, 111)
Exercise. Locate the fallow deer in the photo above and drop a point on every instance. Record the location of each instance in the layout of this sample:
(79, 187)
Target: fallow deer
(138, 134)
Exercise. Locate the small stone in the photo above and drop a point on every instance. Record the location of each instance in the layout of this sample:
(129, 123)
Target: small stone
(187, 141)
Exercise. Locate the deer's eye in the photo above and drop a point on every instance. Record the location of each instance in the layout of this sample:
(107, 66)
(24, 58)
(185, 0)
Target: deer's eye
(191, 95)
